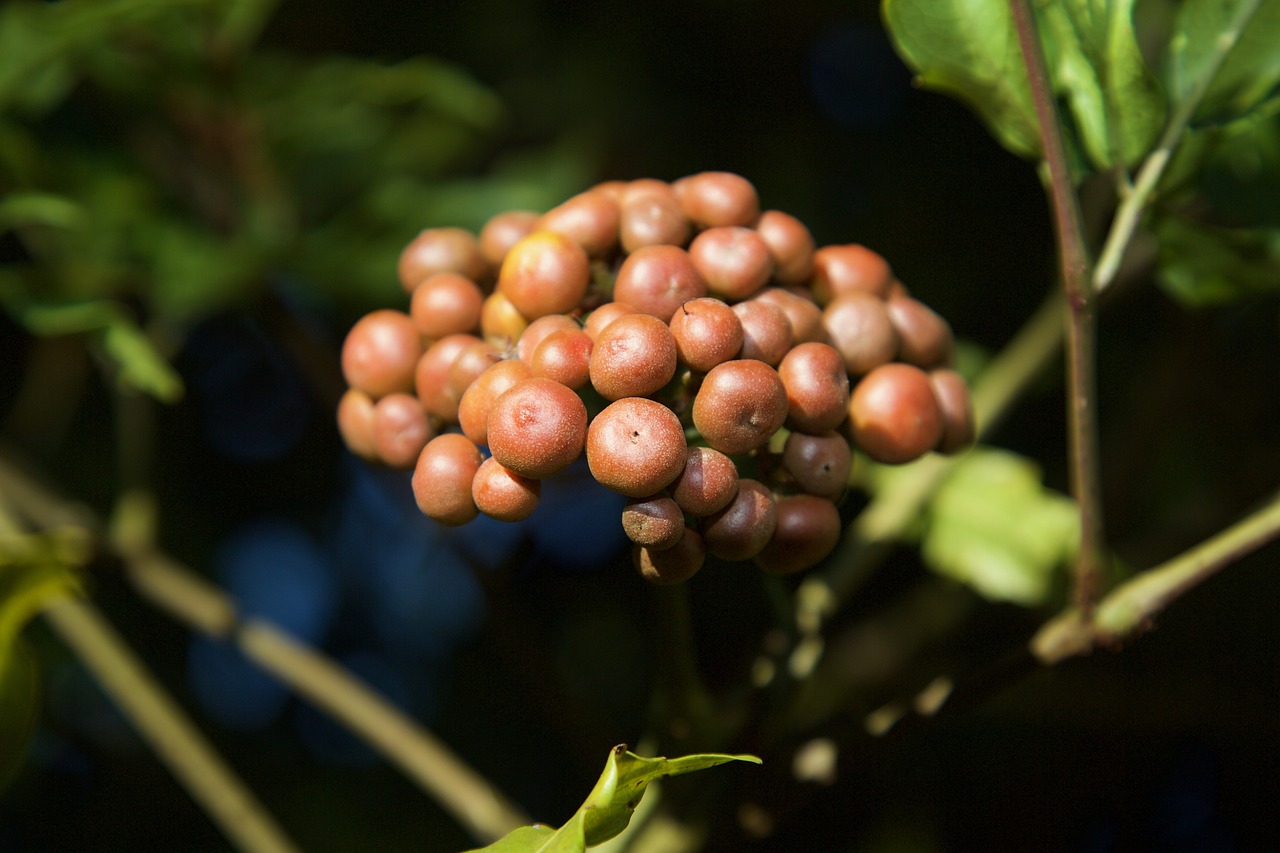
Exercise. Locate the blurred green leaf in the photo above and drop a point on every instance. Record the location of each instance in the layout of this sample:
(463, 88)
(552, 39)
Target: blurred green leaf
(140, 365)
(19, 694)
(993, 526)
(969, 49)
(1092, 50)
(1251, 73)
(21, 209)
(608, 808)
(1202, 265)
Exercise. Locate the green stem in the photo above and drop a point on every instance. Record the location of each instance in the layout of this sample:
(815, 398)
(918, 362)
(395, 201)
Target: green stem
(1132, 206)
(184, 594)
(1076, 270)
(160, 721)
(1131, 607)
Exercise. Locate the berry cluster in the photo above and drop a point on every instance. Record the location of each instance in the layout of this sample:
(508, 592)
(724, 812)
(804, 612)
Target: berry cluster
(714, 366)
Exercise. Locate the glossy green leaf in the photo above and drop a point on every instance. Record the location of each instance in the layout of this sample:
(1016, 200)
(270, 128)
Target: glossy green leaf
(1250, 74)
(969, 49)
(993, 526)
(608, 808)
(1117, 105)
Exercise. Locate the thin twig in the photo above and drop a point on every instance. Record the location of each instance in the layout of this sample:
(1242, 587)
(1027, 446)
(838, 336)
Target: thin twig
(175, 740)
(1134, 203)
(1130, 608)
(1073, 255)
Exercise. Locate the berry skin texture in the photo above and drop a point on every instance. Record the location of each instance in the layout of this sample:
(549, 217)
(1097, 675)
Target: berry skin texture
(860, 330)
(443, 476)
(537, 427)
(634, 356)
(380, 353)
(545, 273)
(733, 260)
(808, 529)
(894, 415)
(740, 404)
(503, 494)
(820, 464)
(673, 565)
(635, 447)
(790, 244)
(959, 429)
(707, 332)
(713, 199)
(657, 280)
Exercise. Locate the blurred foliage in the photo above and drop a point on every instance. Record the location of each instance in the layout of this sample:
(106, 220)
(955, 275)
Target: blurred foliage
(157, 166)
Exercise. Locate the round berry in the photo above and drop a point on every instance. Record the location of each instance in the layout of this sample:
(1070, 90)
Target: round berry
(380, 353)
(859, 328)
(355, 423)
(564, 356)
(400, 430)
(733, 260)
(503, 494)
(537, 427)
(500, 322)
(790, 244)
(802, 313)
(545, 273)
(503, 231)
(442, 479)
(590, 219)
(473, 408)
(714, 199)
(657, 280)
(636, 447)
(708, 481)
(651, 218)
(707, 332)
(437, 250)
(894, 415)
(807, 530)
(925, 338)
(603, 316)
(446, 304)
(635, 355)
(838, 270)
(739, 405)
(655, 522)
(952, 393)
(819, 464)
(744, 527)
(817, 387)
(766, 333)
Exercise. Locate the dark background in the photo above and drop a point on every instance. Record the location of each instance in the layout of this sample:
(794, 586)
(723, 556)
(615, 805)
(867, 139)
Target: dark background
(531, 650)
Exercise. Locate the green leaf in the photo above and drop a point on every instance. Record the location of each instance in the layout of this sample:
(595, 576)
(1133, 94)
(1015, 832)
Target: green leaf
(994, 527)
(1248, 77)
(1092, 50)
(969, 49)
(1202, 266)
(608, 808)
